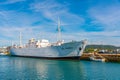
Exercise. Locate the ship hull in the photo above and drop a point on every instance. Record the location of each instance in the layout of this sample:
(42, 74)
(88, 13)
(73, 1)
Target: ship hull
(52, 58)
(71, 50)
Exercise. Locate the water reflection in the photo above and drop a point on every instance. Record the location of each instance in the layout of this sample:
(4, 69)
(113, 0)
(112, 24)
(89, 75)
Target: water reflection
(18, 68)
(31, 68)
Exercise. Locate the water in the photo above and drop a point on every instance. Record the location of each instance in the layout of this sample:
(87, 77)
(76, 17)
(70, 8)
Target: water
(18, 68)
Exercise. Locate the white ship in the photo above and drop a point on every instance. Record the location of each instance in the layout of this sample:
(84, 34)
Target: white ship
(44, 49)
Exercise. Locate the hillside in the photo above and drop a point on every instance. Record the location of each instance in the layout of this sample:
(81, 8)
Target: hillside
(90, 48)
(102, 46)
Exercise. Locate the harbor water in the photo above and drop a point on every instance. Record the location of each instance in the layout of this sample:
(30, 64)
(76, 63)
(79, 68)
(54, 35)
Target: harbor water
(20, 68)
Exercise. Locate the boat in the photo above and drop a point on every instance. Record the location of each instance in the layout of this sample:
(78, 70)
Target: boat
(44, 49)
(97, 58)
(2, 54)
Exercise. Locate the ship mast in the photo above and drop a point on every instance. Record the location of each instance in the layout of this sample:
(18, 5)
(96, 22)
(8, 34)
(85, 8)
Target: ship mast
(20, 43)
(59, 30)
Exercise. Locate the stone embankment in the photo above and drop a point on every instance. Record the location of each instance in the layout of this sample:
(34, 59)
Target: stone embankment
(108, 57)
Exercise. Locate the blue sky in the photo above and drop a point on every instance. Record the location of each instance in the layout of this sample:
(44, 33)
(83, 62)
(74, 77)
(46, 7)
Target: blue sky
(98, 21)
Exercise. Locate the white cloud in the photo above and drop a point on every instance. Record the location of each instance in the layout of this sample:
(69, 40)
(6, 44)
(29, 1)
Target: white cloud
(107, 16)
(49, 9)
(52, 10)
(12, 33)
(105, 37)
(14, 22)
(14, 18)
(11, 1)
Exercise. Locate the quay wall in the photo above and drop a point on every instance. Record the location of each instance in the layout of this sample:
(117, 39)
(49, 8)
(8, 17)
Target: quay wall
(108, 57)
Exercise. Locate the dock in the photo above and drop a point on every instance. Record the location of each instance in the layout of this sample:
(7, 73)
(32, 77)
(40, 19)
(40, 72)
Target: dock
(108, 57)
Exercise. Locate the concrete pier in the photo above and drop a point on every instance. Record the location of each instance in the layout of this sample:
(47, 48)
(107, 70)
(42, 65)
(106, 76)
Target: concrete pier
(108, 57)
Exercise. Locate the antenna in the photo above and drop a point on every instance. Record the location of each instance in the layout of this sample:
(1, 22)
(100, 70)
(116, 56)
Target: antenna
(59, 30)
(12, 43)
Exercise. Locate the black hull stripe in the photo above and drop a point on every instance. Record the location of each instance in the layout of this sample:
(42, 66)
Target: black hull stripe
(60, 58)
